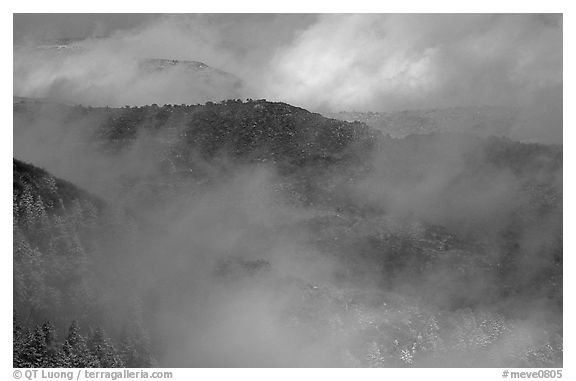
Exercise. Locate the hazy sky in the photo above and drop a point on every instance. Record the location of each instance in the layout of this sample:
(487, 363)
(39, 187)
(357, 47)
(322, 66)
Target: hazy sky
(55, 26)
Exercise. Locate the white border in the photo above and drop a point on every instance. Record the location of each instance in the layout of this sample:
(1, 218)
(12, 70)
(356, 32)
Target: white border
(293, 6)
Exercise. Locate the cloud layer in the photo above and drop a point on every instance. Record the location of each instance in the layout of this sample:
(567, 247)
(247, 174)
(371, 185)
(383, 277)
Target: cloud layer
(330, 62)
(382, 62)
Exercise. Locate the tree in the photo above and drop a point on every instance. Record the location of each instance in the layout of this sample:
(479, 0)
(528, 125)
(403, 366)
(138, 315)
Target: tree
(76, 352)
(103, 349)
(37, 348)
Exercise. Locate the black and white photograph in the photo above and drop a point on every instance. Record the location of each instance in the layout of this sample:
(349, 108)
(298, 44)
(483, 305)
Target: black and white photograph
(287, 190)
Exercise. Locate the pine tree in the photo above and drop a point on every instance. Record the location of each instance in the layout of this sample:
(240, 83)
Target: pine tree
(52, 356)
(19, 338)
(103, 349)
(75, 350)
(33, 349)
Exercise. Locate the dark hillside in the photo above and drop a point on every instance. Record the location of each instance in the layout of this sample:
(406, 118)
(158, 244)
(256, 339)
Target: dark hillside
(429, 245)
(63, 236)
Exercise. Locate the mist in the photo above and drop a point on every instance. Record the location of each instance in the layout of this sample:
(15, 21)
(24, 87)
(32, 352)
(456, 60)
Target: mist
(326, 63)
(257, 234)
(231, 270)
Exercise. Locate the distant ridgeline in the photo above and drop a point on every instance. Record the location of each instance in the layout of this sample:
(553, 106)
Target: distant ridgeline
(307, 147)
(484, 121)
(202, 142)
(63, 236)
(259, 130)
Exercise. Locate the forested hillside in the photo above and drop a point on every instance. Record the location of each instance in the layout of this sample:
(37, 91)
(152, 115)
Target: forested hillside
(211, 226)
(62, 238)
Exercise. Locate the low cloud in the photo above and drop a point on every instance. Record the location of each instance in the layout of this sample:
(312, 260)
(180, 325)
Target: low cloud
(384, 62)
(329, 62)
